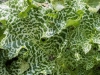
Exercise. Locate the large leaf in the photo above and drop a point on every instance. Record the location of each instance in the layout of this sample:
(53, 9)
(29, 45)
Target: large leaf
(57, 37)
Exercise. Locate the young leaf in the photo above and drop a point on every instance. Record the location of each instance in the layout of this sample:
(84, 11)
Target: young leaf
(72, 22)
(53, 15)
(2, 28)
(29, 2)
(80, 12)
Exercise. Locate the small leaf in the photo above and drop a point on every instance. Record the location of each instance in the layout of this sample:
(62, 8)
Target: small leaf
(89, 65)
(77, 56)
(75, 22)
(29, 2)
(24, 66)
(80, 12)
(23, 14)
(53, 15)
(86, 47)
(58, 4)
(1, 37)
(71, 22)
(2, 28)
(58, 7)
(3, 21)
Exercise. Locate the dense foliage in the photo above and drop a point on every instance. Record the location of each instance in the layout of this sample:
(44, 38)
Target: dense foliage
(54, 37)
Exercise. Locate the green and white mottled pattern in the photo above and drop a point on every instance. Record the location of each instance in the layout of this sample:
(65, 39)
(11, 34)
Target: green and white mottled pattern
(41, 40)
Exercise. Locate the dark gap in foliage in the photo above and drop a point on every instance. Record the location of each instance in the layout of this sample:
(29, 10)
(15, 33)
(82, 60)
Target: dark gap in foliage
(95, 46)
(51, 57)
(1, 49)
(71, 28)
(0, 24)
(96, 69)
(98, 11)
(40, 74)
(71, 68)
(68, 48)
(9, 62)
(43, 74)
(43, 39)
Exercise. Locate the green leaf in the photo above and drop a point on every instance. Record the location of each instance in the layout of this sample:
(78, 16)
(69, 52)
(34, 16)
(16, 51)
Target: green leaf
(53, 15)
(58, 4)
(86, 47)
(75, 22)
(1, 35)
(89, 65)
(29, 2)
(23, 14)
(80, 12)
(3, 21)
(71, 22)
(24, 66)
(2, 29)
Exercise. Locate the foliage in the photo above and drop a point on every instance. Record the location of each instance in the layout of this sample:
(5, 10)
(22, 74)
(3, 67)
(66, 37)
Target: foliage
(54, 37)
